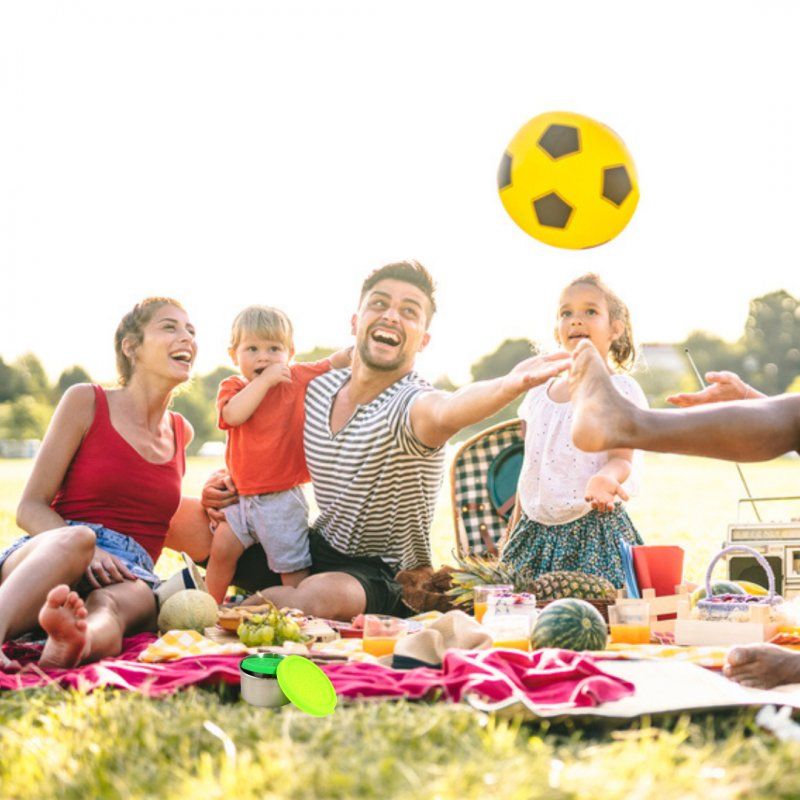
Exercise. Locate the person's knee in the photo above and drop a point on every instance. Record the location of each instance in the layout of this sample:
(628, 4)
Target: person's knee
(341, 598)
(76, 542)
(226, 549)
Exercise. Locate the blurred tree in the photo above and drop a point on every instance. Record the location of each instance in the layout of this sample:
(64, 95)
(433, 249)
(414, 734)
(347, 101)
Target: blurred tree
(771, 342)
(33, 378)
(213, 379)
(317, 354)
(444, 383)
(9, 382)
(192, 402)
(712, 354)
(504, 359)
(494, 365)
(69, 377)
(25, 417)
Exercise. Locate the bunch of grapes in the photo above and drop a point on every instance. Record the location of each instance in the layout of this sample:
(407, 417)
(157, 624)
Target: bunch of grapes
(272, 628)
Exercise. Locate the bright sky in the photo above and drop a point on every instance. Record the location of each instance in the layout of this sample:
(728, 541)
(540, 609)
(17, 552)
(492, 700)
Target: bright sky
(264, 152)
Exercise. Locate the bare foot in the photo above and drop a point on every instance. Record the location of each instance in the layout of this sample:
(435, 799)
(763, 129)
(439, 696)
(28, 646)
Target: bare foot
(762, 666)
(601, 415)
(63, 618)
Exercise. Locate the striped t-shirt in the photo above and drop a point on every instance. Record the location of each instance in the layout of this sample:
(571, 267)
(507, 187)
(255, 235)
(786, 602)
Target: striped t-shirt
(375, 483)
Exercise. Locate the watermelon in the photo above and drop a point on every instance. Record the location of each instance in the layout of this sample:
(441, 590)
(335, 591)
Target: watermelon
(570, 624)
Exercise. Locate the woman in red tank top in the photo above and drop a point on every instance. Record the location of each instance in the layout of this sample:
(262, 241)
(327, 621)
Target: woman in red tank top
(98, 503)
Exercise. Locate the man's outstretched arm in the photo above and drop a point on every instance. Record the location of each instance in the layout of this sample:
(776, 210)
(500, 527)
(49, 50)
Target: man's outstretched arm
(437, 416)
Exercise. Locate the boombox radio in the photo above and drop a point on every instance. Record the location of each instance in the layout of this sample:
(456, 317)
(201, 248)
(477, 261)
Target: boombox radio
(778, 542)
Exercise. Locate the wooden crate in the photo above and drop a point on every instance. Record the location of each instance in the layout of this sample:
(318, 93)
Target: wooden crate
(706, 632)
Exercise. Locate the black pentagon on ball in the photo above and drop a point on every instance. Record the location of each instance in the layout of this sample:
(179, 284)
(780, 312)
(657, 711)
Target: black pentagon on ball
(552, 211)
(616, 184)
(560, 140)
(504, 172)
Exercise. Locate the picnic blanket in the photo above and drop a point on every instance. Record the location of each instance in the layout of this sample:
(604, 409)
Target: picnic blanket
(547, 678)
(542, 679)
(124, 671)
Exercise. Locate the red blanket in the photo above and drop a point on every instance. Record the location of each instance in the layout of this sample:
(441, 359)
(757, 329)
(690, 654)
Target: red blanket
(546, 678)
(543, 679)
(122, 672)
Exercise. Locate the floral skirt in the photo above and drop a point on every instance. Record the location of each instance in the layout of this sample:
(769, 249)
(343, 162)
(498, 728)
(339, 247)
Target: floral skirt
(588, 544)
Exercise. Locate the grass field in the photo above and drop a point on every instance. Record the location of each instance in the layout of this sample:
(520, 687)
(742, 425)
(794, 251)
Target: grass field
(57, 744)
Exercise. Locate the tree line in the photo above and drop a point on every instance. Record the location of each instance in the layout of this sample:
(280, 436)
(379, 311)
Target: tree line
(767, 356)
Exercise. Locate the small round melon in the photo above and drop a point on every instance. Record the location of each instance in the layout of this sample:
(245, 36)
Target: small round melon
(189, 609)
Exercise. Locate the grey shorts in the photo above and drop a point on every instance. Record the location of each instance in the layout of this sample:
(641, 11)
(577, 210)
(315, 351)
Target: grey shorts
(278, 522)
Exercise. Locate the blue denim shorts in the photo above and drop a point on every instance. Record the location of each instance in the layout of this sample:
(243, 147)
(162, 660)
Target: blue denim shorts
(128, 551)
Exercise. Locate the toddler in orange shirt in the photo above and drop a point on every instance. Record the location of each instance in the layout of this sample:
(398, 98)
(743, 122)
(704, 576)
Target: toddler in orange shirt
(263, 412)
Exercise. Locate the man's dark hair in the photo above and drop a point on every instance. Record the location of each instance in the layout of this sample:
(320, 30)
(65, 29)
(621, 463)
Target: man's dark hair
(408, 271)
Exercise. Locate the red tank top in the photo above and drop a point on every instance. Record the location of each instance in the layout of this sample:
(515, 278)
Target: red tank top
(110, 484)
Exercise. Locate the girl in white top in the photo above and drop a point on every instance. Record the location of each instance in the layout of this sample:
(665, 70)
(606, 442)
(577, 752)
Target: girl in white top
(568, 514)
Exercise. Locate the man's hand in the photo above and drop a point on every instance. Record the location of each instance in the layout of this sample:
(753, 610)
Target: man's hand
(535, 371)
(106, 569)
(602, 490)
(275, 374)
(722, 387)
(437, 416)
(218, 491)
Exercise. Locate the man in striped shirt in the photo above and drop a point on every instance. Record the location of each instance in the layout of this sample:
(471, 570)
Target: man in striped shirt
(373, 439)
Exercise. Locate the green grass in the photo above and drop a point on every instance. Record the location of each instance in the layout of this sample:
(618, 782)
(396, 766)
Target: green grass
(111, 744)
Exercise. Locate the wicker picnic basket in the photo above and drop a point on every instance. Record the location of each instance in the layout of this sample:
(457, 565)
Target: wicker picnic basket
(723, 607)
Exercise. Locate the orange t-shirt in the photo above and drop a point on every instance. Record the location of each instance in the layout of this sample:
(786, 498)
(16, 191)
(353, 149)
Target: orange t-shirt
(265, 453)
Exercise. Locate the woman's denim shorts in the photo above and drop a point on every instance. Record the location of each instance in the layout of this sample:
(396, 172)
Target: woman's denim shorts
(128, 551)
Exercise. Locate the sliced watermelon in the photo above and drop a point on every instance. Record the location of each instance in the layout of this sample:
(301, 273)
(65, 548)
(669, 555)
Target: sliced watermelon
(570, 624)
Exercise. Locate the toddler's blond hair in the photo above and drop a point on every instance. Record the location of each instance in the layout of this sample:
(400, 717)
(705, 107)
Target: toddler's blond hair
(266, 323)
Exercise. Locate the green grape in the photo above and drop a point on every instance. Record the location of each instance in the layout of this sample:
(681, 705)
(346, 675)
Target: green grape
(266, 635)
(289, 630)
(243, 632)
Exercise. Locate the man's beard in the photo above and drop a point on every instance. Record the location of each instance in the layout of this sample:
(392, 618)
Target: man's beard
(379, 366)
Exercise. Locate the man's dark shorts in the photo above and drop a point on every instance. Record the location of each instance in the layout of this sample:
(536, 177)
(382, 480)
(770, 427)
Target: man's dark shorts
(384, 593)
(382, 590)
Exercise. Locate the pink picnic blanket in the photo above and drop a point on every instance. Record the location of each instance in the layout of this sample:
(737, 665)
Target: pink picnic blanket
(543, 679)
(122, 672)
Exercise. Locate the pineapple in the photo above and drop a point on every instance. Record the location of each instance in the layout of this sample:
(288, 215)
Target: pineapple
(554, 585)
(478, 571)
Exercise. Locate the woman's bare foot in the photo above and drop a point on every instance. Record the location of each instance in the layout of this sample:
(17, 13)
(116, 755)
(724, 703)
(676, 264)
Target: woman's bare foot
(762, 666)
(601, 416)
(63, 618)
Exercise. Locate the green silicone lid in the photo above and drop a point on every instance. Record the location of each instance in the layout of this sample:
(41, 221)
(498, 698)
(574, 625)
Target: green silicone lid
(265, 664)
(307, 686)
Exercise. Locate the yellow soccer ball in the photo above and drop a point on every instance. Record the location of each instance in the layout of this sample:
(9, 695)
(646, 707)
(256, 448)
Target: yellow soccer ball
(568, 181)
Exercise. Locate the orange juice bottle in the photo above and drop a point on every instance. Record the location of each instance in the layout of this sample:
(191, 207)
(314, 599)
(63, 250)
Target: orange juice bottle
(514, 644)
(379, 646)
(480, 610)
(630, 634)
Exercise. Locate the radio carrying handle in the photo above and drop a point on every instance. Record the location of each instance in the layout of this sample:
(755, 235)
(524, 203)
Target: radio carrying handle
(751, 500)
